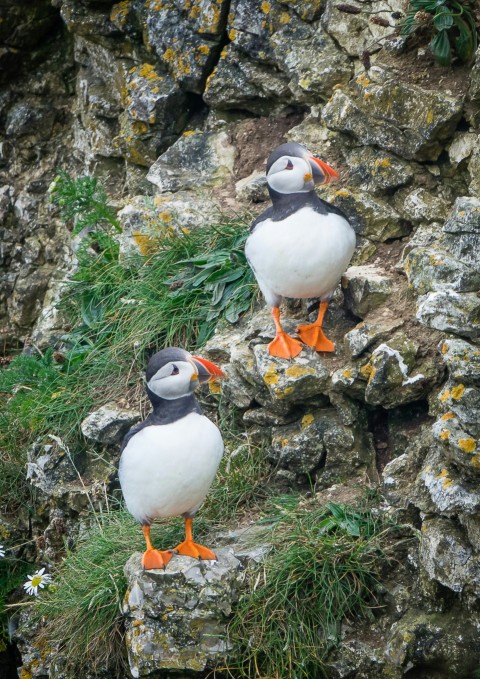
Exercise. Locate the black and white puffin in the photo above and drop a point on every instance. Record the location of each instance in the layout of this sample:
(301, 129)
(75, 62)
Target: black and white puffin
(169, 460)
(301, 246)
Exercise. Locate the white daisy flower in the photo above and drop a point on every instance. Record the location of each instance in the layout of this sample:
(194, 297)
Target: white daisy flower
(38, 579)
(2, 551)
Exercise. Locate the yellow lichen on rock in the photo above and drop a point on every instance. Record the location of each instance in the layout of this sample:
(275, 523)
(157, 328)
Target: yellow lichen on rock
(307, 420)
(468, 445)
(457, 392)
(271, 376)
(298, 371)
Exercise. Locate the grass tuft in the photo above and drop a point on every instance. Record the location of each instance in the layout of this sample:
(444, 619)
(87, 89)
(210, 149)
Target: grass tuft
(322, 568)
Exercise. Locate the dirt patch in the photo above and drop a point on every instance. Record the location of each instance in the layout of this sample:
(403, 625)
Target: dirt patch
(255, 138)
(422, 70)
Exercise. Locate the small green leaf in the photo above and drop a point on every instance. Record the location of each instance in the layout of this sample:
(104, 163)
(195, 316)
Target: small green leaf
(440, 46)
(465, 43)
(443, 21)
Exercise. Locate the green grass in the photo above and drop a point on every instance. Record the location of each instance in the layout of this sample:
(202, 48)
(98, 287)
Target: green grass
(322, 568)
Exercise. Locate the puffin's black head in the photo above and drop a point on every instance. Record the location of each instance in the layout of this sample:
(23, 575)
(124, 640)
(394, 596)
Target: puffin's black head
(291, 168)
(174, 373)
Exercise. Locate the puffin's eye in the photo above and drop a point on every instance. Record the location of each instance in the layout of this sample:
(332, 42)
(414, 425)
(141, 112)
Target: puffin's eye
(289, 165)
(175, 370)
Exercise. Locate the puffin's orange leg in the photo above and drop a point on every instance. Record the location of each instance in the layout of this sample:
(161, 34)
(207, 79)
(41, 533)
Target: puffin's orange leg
(190, 548)
(313, 334)
(153, 558)
(283, 345)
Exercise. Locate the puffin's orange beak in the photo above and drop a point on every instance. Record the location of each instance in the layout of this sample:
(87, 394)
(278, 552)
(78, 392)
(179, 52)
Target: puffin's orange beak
(322, 173)
(206, 369)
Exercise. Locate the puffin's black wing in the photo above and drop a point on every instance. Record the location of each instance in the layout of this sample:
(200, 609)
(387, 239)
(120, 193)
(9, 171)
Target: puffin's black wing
(330, 208)
(131, 432)
(266, 214)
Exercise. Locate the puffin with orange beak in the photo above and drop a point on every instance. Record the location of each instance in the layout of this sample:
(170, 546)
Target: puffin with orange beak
(301, 246)
(169, 460)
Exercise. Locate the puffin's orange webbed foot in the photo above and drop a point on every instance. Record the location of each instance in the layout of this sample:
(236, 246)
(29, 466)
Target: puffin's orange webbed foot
(314, 337)
(191, 548)
(154, 558)
(284, 346)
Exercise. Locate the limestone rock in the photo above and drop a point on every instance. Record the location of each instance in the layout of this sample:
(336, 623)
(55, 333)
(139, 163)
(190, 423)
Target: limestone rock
(176, 618)
(311, 59)
(252, 188)
(464, 402)
(369, 332)
(463, 448)
(421, 205)
(450, 311)
(299, 448)
(393, 115)
(371, 217)
(198, 159)
(238, 82)
(462, 146)
(431, 640)
(435, 269)
(295, 381)
(450, 492)
(447, 557)
(462, 360)
(187, 38)
(389, 370)
(365, 288)
(355, 32)
(109, 424)
(377, 171)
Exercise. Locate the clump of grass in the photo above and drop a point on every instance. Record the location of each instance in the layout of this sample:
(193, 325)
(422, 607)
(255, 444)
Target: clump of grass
(322, 568)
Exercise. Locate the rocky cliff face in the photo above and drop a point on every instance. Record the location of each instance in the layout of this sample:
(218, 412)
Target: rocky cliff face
(179, 103)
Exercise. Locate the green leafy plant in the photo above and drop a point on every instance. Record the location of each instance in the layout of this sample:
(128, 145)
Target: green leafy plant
(452, 22)
(322, 568)
(83, 200)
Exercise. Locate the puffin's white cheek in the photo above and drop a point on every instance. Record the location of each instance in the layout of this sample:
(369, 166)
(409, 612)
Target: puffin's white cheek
(288, 181)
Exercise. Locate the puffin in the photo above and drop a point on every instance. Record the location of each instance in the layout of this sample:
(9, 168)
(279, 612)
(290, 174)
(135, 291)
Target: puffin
(300, 246)
(169, 460)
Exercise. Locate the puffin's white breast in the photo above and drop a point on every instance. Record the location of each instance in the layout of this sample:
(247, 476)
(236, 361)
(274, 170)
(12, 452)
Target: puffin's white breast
(166, 470)
(303, 255)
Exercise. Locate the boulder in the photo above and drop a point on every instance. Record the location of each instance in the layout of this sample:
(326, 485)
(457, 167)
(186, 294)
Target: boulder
(176, 619)
(366, 288)
(396, 116)
(109, 424)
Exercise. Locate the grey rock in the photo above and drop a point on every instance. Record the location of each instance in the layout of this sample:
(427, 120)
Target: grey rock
(365, 288)
(420, 206)
(462, 360)
(462, 447)
(435, 269)
(462, 147)
(371, 217)
(369, 332)
(447, 557)
(176, 618)
(464, 402)
(425, 640)
(253, 188)
(451, 311)
(109, 424)
(393, 115)
(299, 448)
(376, 171)
(296, 381)
(27, 118)
(450, 492)
(195, 160)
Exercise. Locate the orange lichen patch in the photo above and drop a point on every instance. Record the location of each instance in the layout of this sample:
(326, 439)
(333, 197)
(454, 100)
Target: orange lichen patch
(137, 623)
(445, 395)
(444, 434)
(271, 376)
(232, 34)
(284, 443)
(368, 371)
(457, 392)
(446, 483)
(429, 117)
(342, 193)
(119, 12)
(476, 461)
(347, 373)
(165, 216)
(383, 162)
(265, 7)
(185, 231)
(215, 387)
(363, 80)
(298, 371)
(468, 445)
(147, 71)
(444, 348)
(145, 244)
(307, 420)
(435, 261)
(203, 49)
(448, 416)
